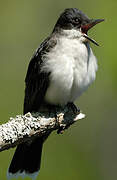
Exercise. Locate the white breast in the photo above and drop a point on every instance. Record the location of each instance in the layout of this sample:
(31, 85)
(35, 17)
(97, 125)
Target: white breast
(73, 67)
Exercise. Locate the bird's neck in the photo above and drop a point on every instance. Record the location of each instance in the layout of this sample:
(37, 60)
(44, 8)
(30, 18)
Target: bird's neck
(70, 34)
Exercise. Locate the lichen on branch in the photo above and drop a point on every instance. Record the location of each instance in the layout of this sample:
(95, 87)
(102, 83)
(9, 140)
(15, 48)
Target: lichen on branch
(31, 125)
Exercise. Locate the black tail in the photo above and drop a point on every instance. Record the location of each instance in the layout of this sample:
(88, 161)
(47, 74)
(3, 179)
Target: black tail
(27, 159)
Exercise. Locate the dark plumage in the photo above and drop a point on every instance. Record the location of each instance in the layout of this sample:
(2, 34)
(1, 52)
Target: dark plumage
(72, 18)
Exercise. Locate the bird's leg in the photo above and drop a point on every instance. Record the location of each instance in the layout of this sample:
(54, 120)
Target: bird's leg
(71, 107)
(76, 110)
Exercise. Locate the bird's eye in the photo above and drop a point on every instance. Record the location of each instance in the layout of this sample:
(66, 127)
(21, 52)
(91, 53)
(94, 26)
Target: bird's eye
(76, 20)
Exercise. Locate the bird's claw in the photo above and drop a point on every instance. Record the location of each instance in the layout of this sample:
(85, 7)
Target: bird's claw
(75, 109)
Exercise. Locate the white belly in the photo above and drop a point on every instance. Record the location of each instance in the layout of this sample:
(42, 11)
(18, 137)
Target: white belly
(72, 71)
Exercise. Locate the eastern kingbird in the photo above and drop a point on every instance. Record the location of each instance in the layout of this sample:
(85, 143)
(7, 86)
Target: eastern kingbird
(61, 69)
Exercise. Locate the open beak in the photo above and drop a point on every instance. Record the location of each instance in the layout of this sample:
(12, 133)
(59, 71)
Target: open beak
(86, 27)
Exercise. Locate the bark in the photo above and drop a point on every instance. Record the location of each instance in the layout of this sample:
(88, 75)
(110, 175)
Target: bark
(26, 127)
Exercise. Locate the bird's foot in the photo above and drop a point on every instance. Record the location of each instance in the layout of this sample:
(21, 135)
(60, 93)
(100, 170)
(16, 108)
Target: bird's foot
(62, 129)
(71, 106)
(73, 111)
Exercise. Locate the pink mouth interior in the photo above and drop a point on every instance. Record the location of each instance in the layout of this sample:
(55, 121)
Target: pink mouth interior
(85, 28)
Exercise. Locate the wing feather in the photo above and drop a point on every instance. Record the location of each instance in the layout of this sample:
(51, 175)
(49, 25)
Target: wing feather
(37, 81)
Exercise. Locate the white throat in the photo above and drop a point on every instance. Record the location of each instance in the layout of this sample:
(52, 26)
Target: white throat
(74, 34)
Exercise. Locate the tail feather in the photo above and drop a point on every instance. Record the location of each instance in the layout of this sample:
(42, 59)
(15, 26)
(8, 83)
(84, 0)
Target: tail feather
(33, 176)
(26, 160)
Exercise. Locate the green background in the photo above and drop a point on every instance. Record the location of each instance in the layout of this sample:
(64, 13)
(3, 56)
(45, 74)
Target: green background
(88, 150)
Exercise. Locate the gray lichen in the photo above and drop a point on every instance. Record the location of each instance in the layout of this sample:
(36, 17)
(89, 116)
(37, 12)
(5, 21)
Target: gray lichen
(24, 127)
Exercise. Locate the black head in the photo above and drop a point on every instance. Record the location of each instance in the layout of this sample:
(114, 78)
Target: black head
(72, 18)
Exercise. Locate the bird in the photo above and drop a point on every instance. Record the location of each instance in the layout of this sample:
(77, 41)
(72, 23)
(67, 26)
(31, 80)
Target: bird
(61, 69)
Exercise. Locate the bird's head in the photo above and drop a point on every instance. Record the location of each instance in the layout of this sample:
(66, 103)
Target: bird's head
(75, 20)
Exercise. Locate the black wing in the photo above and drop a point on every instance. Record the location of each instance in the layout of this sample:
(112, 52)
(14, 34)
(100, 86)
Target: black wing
(37, 81)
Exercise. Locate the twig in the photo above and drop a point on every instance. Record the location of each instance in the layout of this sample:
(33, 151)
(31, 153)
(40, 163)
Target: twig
(26, 127)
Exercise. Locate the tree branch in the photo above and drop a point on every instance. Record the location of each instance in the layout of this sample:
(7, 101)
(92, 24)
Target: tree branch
(26, 127)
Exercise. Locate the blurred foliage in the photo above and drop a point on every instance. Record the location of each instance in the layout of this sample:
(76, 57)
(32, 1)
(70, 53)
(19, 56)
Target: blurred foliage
(87, 151)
